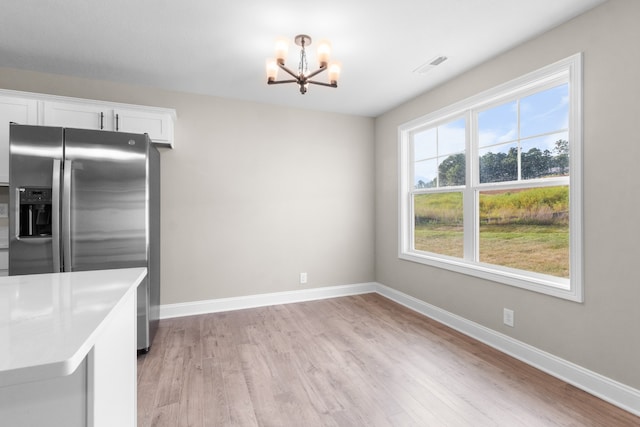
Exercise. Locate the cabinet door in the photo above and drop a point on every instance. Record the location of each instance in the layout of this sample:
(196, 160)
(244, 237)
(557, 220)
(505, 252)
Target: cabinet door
(158, 125)
(76, 115)
(18, 110)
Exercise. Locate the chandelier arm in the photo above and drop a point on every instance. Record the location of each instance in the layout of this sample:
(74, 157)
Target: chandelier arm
(288, 71)
(276, 82)
(316, 72)
(322, 83)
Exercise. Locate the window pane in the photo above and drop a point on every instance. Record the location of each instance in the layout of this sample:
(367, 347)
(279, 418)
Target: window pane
(424, 174)
(451, 138)
(499, 163)
(451, 170)
(498, 124)
(544, 112)
(425, 144)
(526, 229)
(439, 152)
(545, 156)
(438, 223)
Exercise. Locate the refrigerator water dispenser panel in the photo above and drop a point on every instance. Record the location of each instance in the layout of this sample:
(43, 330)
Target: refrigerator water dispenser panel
(35, 212)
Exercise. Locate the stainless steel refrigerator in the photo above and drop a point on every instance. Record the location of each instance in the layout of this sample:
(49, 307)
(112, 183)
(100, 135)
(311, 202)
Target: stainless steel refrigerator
(86, 200)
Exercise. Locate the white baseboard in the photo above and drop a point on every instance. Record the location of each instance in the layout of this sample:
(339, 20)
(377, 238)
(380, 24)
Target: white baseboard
(606, 389)
(616, 393)
(261, 300)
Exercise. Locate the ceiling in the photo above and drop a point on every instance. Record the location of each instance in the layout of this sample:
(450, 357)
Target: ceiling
(219, 47)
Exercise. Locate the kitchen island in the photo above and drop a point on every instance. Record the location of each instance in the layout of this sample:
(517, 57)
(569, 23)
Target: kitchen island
(68, 348)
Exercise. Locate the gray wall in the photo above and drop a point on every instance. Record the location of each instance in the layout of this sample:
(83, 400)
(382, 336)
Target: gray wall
(252, 195)
(602, 333)
(255, 194)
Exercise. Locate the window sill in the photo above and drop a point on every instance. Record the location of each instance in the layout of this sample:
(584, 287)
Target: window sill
(544, 284)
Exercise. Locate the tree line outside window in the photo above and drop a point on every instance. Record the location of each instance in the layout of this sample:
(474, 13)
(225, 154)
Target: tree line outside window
(501, 166)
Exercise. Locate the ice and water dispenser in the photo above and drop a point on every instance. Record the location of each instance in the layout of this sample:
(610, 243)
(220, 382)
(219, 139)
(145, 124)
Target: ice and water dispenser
(35, 212)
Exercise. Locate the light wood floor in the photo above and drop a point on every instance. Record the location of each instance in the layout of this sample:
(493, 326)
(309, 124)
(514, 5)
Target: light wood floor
(352, 361)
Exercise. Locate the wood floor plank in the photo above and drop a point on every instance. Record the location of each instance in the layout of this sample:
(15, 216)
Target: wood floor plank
(191, 408)
(261, 384)
(171, 376)
(216, 406)
(165, 416)
(351, 361)
(148, 373)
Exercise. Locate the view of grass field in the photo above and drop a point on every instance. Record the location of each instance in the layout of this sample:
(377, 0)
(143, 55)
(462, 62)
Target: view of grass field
(525, 229)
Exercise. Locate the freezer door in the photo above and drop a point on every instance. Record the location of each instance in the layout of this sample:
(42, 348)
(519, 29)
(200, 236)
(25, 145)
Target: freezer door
(104, 201)
(35, 153)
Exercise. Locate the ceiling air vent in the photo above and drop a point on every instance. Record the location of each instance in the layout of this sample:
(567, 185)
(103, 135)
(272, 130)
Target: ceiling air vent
(429, 65)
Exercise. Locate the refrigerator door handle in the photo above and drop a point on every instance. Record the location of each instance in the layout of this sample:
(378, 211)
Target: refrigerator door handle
(66, 217)
(55, 215)
(16, 214)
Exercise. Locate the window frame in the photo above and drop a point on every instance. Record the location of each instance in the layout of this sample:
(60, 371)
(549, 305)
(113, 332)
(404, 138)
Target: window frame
(568, 70)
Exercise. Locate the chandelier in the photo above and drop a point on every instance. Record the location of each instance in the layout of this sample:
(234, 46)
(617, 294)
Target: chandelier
(303, 76)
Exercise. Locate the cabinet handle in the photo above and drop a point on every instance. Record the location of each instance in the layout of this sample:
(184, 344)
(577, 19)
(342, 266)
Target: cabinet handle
(101, 120)
(117, 122)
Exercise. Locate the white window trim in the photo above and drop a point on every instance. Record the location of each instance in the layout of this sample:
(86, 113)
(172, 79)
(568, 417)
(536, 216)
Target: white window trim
(570, 289)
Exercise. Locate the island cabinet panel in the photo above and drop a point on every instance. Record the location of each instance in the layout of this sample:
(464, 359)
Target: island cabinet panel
(68, 349)
(59, 401)
(112, 373)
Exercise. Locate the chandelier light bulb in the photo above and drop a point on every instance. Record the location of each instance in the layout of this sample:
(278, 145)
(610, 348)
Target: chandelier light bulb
(282, 49)
(334, 72)
(324, 51)
(272, 69)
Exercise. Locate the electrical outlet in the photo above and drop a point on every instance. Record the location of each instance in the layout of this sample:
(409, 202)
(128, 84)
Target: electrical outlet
(303, 278)
(508, 317)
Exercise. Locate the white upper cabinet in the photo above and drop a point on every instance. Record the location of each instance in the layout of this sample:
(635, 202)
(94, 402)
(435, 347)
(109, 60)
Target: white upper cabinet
(158, 124)
(17, 110)
(77, 115)
(38, 109)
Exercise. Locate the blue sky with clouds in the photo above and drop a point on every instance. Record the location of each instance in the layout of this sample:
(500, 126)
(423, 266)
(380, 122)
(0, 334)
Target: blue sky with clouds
(544, 118)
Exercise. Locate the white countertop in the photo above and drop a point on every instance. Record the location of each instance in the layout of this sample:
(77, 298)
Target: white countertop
(50, 322)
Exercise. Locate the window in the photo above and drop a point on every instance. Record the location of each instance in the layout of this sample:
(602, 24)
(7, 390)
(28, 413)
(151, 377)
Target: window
(491, 186)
